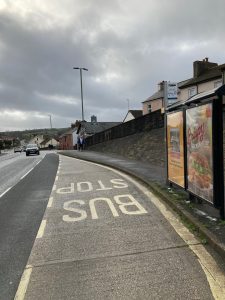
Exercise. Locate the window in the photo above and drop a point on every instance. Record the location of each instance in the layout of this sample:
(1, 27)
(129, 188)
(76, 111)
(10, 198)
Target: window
(192, 91)
(217, 83)
(149, 108)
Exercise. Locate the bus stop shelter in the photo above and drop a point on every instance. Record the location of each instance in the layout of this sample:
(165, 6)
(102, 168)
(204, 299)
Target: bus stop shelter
(195, 143)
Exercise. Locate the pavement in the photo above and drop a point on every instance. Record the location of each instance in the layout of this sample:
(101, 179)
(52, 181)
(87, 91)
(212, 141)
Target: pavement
(201, 218)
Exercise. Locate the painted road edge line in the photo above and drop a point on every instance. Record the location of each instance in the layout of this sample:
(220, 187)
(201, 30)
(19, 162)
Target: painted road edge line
(27, 173)
(22, 288)
(41, 229)
(50, 201)
(5, 191)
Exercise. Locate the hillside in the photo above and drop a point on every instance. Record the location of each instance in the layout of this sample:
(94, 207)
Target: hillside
(28, 134)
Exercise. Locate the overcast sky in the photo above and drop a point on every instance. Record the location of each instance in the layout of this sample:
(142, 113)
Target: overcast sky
(128, 47)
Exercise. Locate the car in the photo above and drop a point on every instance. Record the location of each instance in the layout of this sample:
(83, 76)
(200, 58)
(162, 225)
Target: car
(32, 149)
(17, 149)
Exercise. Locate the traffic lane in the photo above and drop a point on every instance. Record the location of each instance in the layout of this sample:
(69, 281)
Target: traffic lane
(103, 239)
(14, 167)
(21, 212)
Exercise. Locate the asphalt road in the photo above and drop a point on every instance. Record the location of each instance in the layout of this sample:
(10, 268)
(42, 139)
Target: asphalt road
(13, 166)
(21, 211)
(102, 238)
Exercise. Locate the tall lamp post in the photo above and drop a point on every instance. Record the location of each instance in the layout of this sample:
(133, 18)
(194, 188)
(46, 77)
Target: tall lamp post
(81, 89)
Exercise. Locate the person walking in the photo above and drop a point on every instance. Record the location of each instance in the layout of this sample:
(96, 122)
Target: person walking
(82, 142)
(78, 143)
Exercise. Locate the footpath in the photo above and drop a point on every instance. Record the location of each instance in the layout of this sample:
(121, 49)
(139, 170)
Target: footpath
(202, 219)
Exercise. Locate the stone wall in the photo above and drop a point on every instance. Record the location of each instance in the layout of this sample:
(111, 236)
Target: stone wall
(146, 146)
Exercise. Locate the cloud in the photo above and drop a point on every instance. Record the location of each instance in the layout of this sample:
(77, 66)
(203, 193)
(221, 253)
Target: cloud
(127, 47)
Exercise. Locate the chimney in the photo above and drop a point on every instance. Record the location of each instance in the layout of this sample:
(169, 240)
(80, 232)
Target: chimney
(200, 67)
(161, 85)
(93, 119)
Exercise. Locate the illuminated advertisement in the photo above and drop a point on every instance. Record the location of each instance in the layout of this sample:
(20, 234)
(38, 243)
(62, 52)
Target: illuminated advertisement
(175, 148)
(199, 151)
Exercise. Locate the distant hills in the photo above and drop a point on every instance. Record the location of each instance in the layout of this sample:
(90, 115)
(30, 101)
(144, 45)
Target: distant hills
(28, 134)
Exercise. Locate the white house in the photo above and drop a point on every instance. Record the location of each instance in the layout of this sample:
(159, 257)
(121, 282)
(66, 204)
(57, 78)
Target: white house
(37, 139)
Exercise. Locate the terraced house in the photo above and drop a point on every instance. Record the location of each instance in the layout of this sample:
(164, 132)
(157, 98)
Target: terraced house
(206, 76)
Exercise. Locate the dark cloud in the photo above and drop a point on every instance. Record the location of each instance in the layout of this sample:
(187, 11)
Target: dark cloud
(127, 47)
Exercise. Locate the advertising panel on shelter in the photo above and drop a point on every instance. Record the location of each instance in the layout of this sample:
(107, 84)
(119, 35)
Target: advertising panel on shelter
(199, 151)
(175, 148)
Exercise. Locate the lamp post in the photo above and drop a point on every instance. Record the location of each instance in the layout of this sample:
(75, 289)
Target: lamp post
(81, 88)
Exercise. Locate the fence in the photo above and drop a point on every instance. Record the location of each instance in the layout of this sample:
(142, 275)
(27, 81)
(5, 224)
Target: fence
(143, 123)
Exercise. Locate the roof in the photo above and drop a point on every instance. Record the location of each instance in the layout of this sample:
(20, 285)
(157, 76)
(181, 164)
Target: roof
(212, 73)
(220, 91)
(136, 113)
(155, 96)
(45, 141)
(94, 127)
(70, 131)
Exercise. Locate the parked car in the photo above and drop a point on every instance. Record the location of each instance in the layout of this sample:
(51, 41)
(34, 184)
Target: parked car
(17, 149)
(32, 149)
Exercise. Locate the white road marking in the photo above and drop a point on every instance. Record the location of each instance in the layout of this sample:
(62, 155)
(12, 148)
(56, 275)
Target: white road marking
(54, 187)
(214, 275)
(57, 177)
(21, 291)
(41, 229)
(50, 201)
(39, 162)
(5, 191)
(27, 173)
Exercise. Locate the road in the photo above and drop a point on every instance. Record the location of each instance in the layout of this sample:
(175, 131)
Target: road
(25, 186)
(104, 236)
(14, 166)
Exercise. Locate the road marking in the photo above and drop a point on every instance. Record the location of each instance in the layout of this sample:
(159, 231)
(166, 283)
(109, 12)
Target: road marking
(27, 173)
(54, 187)
(21, 291)
(39, 162)
(214, 275)
(50, 201)
(57, 177)
(5, 191)
(41, 229)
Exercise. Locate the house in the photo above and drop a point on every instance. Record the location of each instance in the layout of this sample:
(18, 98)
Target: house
(132, 114)
(66, 140)
(166, 95)
(90, 128)
(206, 76)
(49, 141)
(37, 139)
(154, 102)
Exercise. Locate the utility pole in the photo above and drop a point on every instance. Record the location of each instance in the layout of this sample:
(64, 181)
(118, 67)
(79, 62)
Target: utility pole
(128, 104)
(50, 119)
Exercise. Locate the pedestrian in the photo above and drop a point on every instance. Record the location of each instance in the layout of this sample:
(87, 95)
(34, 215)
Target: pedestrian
(81, 142)
(78, 143)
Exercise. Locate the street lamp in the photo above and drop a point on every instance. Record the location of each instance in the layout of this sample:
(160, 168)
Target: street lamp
(81, 88)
